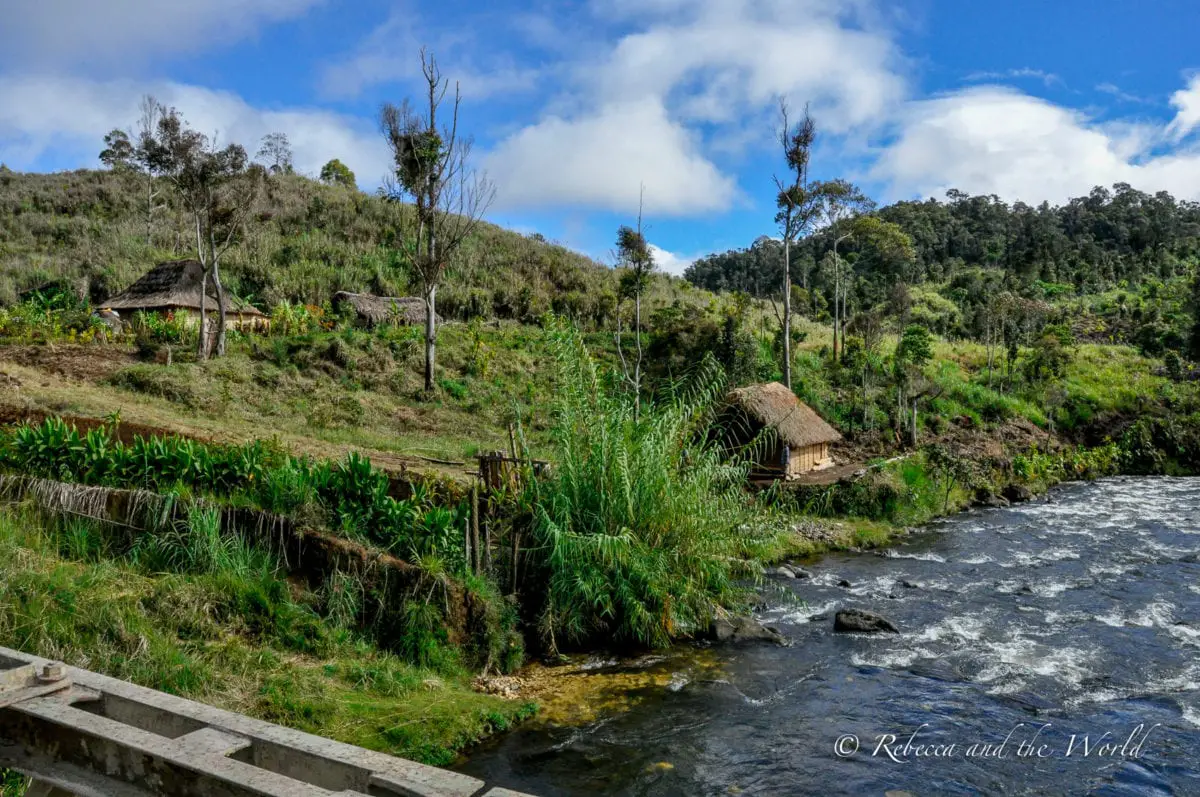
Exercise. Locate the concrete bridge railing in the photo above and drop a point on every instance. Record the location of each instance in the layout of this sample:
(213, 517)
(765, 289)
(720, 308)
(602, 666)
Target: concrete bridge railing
(78, 732)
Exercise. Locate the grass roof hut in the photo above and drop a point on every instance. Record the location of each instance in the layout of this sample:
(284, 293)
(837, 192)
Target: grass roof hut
(800, 440)
(175, 286)
(373, 311)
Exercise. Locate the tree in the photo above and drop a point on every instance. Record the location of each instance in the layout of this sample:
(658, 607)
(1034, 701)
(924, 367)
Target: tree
(798, 208)
(219, 187)
(1194, 342)
(840, 200)
(140, 154)
(430, 168)
(912, 352)
(634, 255)
(276, 153)
(337, 173)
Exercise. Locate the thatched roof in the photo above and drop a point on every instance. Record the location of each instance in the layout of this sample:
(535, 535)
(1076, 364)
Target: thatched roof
(773, 405)
(175, 283)
(385, 309)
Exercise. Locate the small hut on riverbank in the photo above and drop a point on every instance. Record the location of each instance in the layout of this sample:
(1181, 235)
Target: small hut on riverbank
(174, 287)
(797, 439)
(374, 311)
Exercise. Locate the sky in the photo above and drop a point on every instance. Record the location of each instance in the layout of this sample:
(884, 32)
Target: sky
(578, 109)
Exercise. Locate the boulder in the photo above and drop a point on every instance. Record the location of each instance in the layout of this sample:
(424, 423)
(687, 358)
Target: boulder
(785, 571)
(744, 629)
(991, 501)
(844, 583)
(1017, 492)
(863, 622)
(909, 585)
(800, 572)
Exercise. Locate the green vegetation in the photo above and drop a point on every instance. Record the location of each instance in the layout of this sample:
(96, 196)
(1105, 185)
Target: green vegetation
(641, 529)
(212, 622)
(350, 496)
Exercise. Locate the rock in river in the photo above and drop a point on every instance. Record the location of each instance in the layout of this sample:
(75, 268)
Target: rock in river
(857, 620)
(745, 629)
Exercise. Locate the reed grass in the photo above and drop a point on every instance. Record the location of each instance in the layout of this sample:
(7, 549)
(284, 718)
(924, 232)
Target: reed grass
(642, 529)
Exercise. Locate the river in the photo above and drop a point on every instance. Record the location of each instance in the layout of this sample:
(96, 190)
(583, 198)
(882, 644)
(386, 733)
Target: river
(1075, 615)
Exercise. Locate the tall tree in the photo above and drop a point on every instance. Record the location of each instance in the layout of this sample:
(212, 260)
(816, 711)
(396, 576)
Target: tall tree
(634, 255)
(449, 198)
(275, 151)
(219, 187)
(839, 200)
(797, 209)
(140, 154)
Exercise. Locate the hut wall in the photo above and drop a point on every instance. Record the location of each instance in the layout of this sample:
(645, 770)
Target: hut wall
(808, 458)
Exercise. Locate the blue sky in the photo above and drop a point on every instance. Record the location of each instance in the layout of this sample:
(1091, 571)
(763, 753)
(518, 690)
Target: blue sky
(573, 106)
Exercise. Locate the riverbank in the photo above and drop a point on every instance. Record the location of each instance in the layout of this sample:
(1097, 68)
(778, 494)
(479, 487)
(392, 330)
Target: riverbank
(228, 630)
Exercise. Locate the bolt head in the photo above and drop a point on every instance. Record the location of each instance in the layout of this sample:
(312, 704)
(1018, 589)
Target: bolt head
(53, 671)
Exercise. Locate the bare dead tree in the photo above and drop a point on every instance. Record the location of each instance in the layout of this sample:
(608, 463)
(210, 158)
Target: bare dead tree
(448, 197)
(633, 253)
(138, 154)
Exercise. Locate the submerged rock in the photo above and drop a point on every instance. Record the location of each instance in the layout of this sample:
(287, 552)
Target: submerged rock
(844, 583)
(745, 629)
(909, 585)
(859, 621)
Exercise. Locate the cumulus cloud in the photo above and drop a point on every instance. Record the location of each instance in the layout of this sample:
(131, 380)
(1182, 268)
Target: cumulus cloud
(602, 159)
(689, 79)
(670, 262)
(1186, 102)
(69, 116)
(1001, 141)
(56, 33)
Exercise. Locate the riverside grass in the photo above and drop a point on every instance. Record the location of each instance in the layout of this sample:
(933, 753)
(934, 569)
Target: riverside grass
(642, 530)
(226, 630)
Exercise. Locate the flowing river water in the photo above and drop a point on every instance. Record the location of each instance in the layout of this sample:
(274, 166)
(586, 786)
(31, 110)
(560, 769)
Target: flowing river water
(1024, 630)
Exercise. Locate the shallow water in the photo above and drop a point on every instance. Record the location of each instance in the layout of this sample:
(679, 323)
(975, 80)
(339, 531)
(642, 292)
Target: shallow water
(1077, 614)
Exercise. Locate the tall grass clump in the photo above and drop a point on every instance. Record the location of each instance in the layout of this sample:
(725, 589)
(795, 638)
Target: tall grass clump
(641, 528)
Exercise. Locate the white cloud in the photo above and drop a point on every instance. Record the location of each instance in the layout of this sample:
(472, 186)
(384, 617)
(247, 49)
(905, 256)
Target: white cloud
(996, 140)
(602, 160)
(670, 262)
(1048, 78)
(69, 117)
(54, 33)
(391, 54)
(690, 81)
(1120, 94)
(1186, 101)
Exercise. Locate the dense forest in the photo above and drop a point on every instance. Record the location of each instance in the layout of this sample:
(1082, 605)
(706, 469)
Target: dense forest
(1119, 256)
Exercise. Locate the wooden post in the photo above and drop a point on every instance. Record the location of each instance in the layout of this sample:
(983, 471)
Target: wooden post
(516, 550)
(478, 561)
(512, 441)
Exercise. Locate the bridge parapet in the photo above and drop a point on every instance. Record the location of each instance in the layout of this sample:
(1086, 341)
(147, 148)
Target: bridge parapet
(78, 732)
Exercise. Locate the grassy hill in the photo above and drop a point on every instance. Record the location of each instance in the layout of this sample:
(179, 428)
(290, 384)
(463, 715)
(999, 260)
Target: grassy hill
(305, 242)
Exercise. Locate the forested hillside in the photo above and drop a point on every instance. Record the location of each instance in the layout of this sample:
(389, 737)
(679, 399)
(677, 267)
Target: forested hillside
(1117, 264)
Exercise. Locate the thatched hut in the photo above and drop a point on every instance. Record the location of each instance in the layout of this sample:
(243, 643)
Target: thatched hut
(174, 286)
(372, 311)
(799, 440)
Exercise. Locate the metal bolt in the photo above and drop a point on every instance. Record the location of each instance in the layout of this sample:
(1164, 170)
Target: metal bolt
(53, 671)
